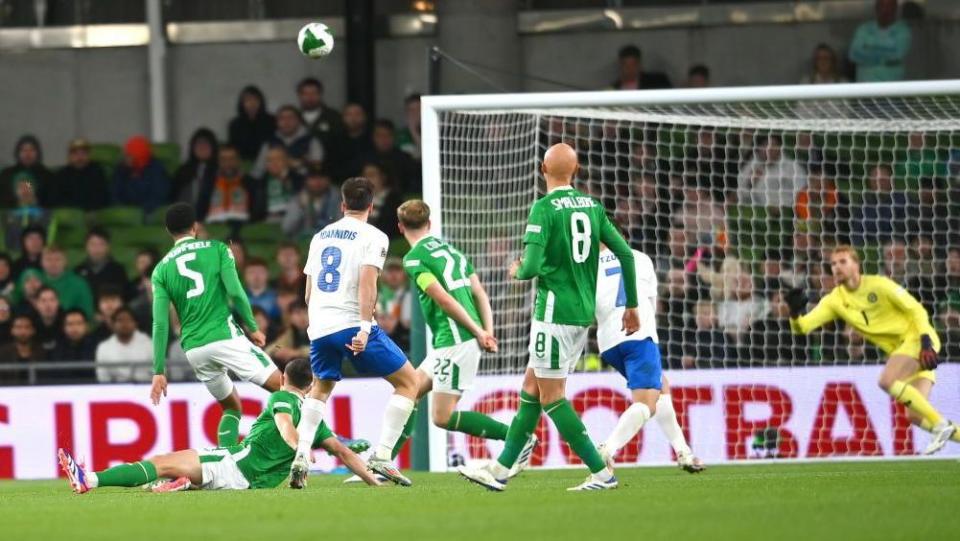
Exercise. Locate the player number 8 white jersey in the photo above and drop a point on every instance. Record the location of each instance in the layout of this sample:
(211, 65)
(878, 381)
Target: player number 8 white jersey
(612, 300)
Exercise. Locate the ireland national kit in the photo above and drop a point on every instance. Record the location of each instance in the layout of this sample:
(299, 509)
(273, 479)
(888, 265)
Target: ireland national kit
(569, 227)
(455, 355)
(263, 459)
(637, 356)
(200, 278)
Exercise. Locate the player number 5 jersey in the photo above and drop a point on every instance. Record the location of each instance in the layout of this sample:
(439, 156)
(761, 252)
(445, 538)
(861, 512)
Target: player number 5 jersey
(612, 300)
(336, 254)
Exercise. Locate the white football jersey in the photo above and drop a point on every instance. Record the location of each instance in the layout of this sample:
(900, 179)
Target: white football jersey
(333, 268)
(612, 300)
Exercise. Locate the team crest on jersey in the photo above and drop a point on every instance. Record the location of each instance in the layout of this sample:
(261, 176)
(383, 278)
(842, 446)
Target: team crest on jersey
(872, 297)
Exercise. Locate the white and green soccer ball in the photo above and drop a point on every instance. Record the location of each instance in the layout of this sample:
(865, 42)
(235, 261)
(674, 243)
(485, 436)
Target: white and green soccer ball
(315, 40)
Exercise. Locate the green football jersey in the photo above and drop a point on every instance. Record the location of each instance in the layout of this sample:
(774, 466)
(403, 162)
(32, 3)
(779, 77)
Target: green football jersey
(569, 226)
(452, 271)
(195, 276)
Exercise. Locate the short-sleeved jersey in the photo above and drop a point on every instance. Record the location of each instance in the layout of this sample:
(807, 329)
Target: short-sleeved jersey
(452, 271)
(192, 276)
(333, 267)
(568, 224)
(879, 309)
(612, 300)
(267, 463)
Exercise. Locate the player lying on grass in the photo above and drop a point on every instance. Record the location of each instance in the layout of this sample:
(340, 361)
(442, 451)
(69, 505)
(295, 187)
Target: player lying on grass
(200, 278)
(890, 318)
(261, 461)
(561, 247)
(637, 358)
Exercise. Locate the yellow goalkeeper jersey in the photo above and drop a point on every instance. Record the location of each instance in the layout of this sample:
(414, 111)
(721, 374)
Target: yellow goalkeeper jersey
(879, 309)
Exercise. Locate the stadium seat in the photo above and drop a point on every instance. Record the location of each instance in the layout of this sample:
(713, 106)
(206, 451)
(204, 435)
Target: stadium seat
(217, 231)
(69, 218)
(167, 154)
(108, 155)
(141, 236)
(157, 216)
(114, 217)
(262, 232)
(126, 256)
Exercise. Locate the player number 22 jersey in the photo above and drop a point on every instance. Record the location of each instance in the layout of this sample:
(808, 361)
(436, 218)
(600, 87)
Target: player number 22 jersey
(612, 300)
(336, 255)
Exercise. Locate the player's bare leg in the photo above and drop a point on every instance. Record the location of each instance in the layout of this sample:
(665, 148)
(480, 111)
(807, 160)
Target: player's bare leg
(273, 382)
(898, 379)
(666, 417)
(312, 412)
(228, 431)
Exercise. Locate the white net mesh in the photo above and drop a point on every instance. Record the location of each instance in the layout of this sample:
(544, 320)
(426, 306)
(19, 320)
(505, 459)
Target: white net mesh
(734, 202)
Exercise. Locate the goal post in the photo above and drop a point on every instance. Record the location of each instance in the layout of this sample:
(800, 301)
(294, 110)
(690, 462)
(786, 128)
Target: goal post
(736, 194)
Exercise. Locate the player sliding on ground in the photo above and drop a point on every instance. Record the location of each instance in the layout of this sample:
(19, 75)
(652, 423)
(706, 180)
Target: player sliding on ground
(342, 267)
(637, 358)
(561, 247)
(261, 461)
(200, 278)
(890, 318)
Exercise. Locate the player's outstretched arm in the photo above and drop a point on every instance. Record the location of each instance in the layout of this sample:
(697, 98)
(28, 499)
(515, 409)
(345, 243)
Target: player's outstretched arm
(236, 294)
(350, 459)
(801, 323)
(161, 332)
(431, 286)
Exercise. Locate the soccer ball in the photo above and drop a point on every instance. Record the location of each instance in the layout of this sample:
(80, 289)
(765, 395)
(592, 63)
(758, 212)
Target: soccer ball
(315, 40)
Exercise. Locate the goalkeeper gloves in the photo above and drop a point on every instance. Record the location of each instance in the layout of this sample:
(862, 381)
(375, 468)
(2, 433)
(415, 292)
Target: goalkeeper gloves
(797, 301)
(928, 356)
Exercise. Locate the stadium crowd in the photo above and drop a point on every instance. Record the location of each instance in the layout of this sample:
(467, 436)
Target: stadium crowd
(720, 306)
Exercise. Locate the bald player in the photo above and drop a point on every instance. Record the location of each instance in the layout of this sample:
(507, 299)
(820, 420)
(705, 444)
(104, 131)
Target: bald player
(561, 250)
(891, 319)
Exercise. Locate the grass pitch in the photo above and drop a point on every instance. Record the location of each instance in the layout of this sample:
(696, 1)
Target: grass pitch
(848, 500)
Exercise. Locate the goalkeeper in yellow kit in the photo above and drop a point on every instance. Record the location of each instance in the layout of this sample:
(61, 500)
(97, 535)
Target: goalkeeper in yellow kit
(890, 318)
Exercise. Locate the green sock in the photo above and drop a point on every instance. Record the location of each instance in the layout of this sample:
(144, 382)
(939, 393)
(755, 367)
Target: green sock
(228, 433)
(477, 424)
(127, 475)
(522, 426)
(407, 432)
(573, 432)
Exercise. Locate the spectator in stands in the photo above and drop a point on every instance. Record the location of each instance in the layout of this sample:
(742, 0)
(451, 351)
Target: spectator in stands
(7, 279)
(279, 185)
(393, 302)
(109, 300)
(707, 160)
(285, 299)
(72, 289)
(6, 317)
(322, 121)
(252, 126)
(770, 339)
(99, 268)
(700, 216)
(386, 199)
(770, 179)
(48, 319)
(653, 216)
(822, 208)
(141, 304)
(140, 179)
(28, 166)
(929, 215)
(882, 212)
(22, 348)
(26, 214)
(408, 137)
(948, 305)
(925, 277)
(293, 341)
(239, 250)
(127, 355)
(825, 67)
(32, 241)
(76, 344)
(265, 324)
(195, 176)
(706, 346)
(921, 161)
(256, 278)
(316, 206)
(632, 76)
(356, 143)
(81, 183)
(397, 163)
(895, 260)
(740, 309)
(698, 76)
(303, 148)
(291, 275)
(229, 201)
(879, 47)
(28, 285)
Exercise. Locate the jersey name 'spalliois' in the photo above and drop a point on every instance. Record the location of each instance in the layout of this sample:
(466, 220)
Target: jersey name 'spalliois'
(452, 271)
(333, 265)
(612, 300)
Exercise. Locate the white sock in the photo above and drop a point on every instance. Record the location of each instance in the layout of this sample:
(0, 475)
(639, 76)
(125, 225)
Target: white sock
(630, 422)
(92, 480)
(312, 412)
(605, 474)
(666, 417)
(394, 418)
(499, 471)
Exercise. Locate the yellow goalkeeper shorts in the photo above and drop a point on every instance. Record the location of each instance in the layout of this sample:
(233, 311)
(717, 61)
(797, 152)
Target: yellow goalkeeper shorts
(910, 346)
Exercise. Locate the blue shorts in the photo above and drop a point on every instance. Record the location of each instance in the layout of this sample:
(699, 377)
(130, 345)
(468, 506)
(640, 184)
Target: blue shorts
(381, 358)
(638, 361)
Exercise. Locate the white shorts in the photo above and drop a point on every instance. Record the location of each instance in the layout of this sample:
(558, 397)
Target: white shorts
(220, 471)
(453, 369)
(238, 355)
(555, 349)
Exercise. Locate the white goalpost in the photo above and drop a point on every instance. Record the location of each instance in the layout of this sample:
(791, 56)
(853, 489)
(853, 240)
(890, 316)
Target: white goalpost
(736, 194)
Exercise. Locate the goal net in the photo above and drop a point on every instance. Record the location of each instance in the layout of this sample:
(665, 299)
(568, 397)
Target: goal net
(736, 195)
